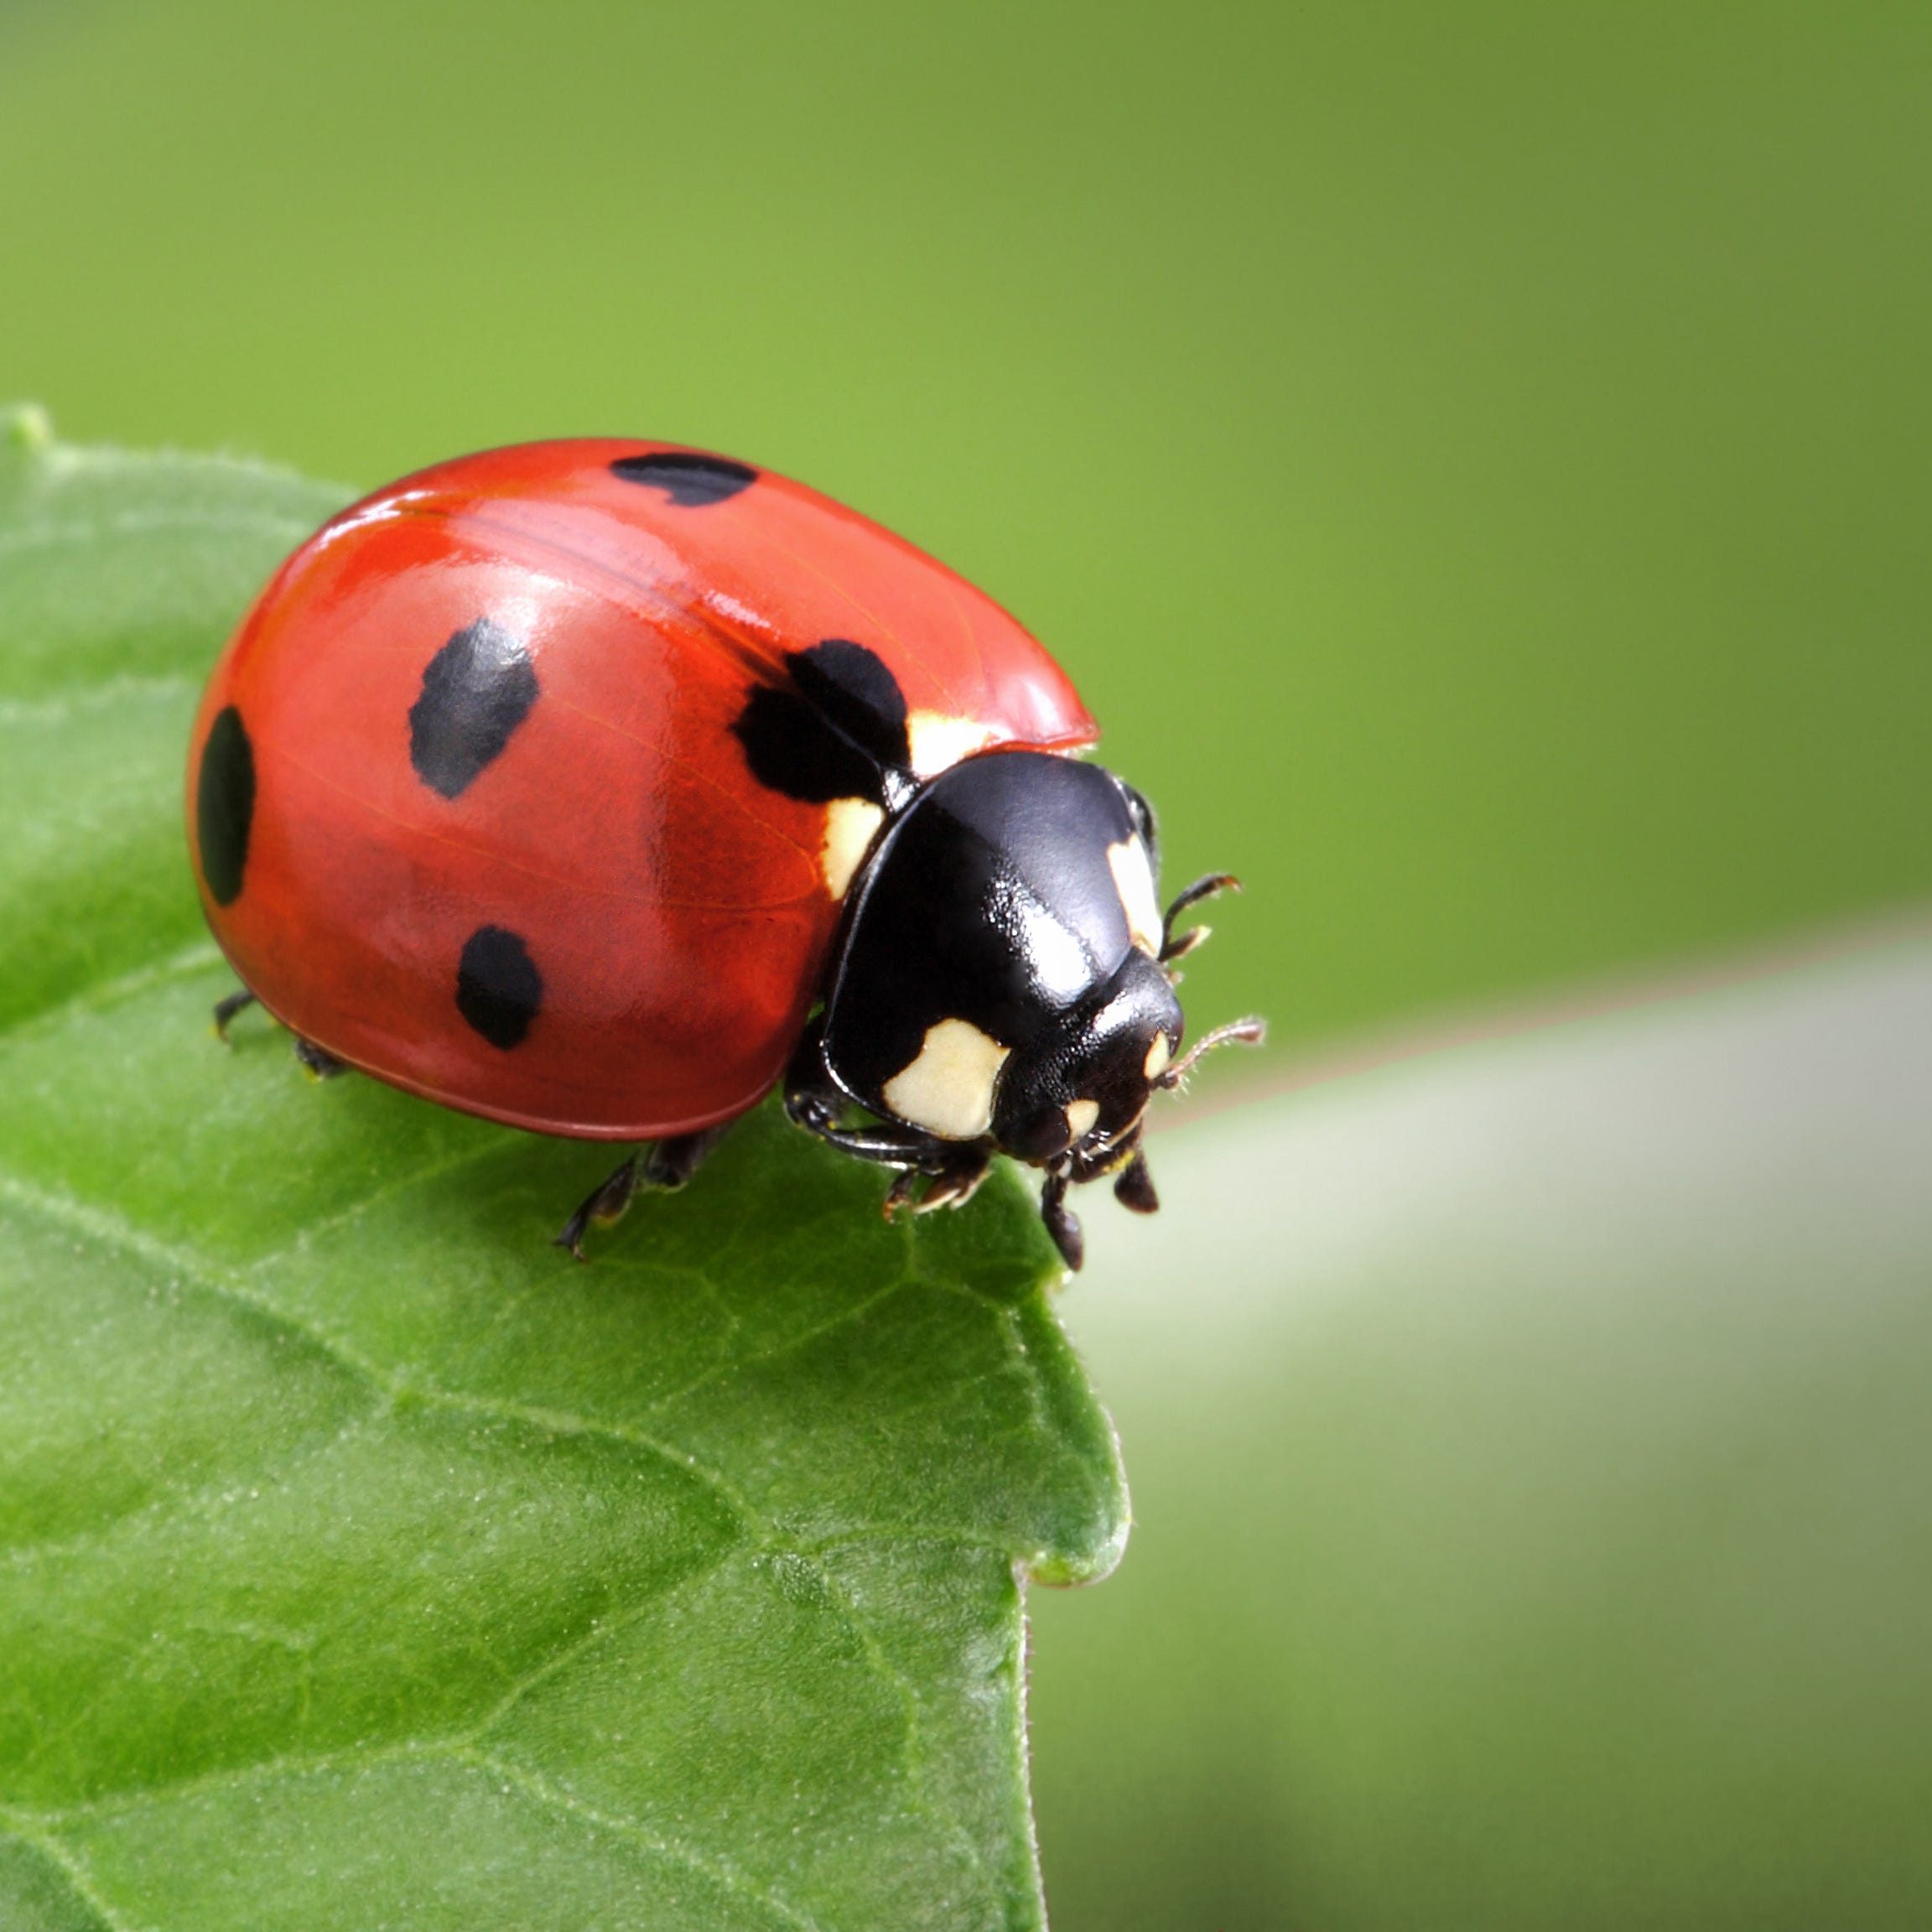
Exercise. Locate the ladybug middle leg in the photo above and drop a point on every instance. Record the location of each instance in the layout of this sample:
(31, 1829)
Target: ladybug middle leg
(319, 1060)
(316, 1060)
(663, 1166)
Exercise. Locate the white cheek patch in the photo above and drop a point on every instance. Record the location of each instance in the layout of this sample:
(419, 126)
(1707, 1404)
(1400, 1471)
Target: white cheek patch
(1158, 1055)
(938, 741)
(1081, 1115)
(948, 1090)
(850, 824)
(1134, 881)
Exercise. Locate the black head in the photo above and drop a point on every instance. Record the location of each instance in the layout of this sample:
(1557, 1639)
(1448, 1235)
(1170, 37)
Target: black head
(1005, 985)
(1003, 910)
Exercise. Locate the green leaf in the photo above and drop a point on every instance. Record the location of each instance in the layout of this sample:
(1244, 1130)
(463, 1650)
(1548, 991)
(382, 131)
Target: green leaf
(366, 1562)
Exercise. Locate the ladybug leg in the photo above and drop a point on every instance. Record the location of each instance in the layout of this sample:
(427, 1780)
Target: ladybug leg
(664, 1166)
(319, 1060)
(958, 1184)
(951, 1161)
(811, 1096)
(952, 1169)
(671, 1163)
(603, 1205)
(226, 1010)
(907, 1147)
(1126, 1162)
(814, 1101)
(950, 1186)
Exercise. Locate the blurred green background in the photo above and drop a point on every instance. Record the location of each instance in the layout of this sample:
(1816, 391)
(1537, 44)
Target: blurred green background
(1474, 459)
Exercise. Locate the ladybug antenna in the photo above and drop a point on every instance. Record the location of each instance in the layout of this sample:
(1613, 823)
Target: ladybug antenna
(1250, 1032)
(1173, 947)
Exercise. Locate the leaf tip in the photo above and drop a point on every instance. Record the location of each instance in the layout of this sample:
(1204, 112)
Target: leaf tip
(1091, 1562)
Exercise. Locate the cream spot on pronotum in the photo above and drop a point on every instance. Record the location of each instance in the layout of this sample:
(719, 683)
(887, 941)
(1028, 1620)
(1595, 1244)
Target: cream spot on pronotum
(1158, 1055)
(949, 1088)
(1134, 881)
(850, 826)
(1081, 1115)
(938, 741)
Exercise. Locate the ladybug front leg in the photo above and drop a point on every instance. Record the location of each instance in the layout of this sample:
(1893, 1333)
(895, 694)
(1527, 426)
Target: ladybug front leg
(317, 1060)
(952, 1174)
(952, 1169)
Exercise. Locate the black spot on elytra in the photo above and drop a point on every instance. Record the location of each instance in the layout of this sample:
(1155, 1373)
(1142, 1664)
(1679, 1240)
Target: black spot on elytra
(835, 733)
(857, 694)
(476, 690)
(225, 805)
(498, 987)
(690, 481)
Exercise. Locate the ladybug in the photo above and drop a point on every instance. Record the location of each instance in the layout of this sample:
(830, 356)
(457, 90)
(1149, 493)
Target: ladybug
(596, 786)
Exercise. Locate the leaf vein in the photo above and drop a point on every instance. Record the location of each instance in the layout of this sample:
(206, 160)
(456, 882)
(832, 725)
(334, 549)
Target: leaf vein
(67, 1863)
(90, 998)
(721, 1872)
(65, 1212)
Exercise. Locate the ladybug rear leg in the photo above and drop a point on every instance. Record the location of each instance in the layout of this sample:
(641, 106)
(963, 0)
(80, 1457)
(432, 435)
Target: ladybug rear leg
(665, 1165)
(226, 1010)
(319, 1060)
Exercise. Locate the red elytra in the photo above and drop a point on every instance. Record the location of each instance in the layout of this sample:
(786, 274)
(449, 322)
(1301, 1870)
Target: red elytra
(680, 910)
